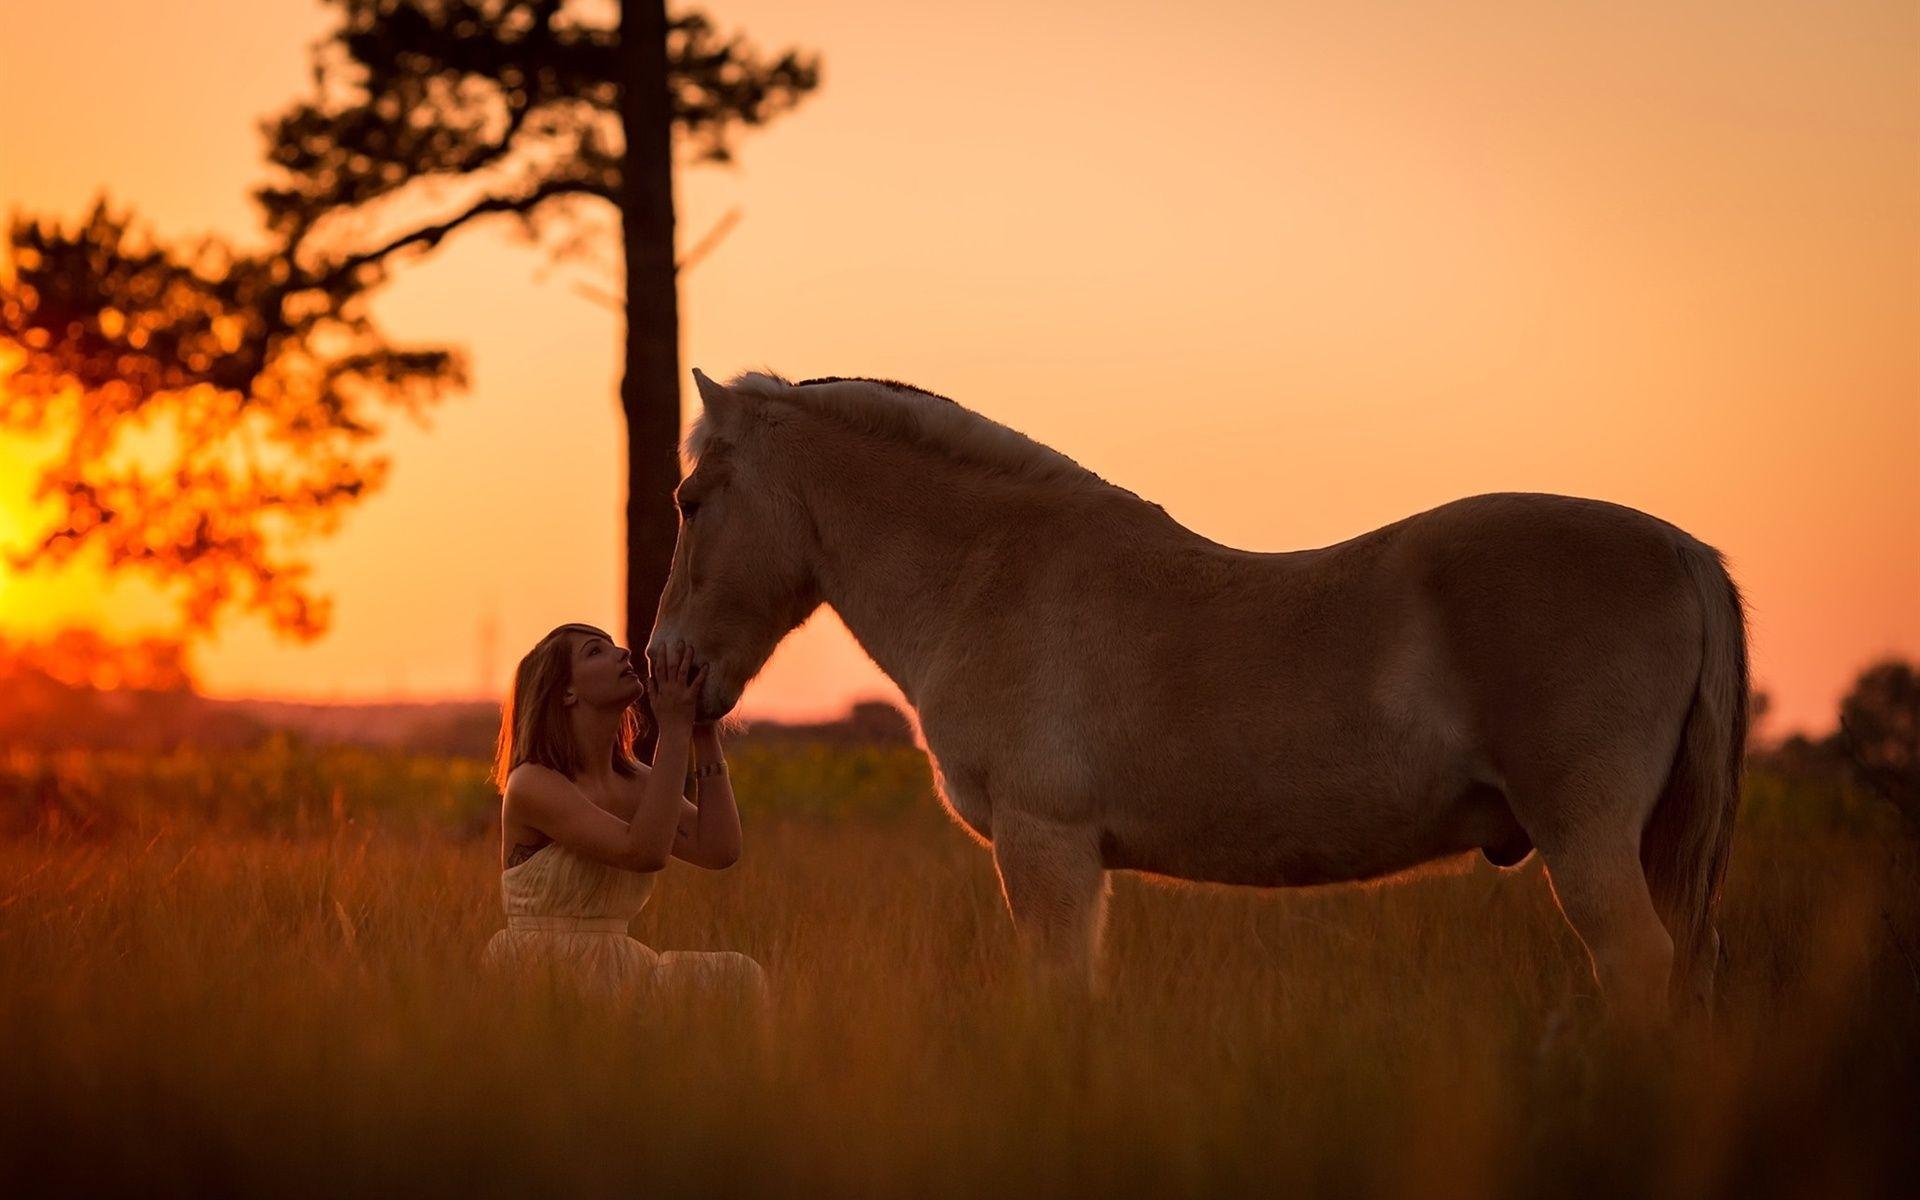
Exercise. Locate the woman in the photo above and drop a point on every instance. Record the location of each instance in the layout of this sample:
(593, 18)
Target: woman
(584, 826)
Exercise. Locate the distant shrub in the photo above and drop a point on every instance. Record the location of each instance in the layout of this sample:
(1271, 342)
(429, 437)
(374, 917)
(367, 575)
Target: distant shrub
(287, 785)
(282, 785)
(1774, 797)
(832, 781)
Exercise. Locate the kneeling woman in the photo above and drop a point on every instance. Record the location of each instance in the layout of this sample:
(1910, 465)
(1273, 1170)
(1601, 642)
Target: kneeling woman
(584, 826)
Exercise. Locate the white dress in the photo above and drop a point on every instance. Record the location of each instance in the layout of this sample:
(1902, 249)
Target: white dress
(570, 914)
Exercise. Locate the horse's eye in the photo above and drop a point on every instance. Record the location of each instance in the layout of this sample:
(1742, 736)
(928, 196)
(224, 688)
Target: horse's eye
(688, 509)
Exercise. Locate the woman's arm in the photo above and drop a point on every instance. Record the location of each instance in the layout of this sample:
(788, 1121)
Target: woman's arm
(557, 807)
(709, 833)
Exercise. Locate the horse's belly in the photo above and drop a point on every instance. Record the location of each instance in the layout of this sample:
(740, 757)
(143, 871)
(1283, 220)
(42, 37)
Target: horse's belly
(1294, 843)
(1259, 861)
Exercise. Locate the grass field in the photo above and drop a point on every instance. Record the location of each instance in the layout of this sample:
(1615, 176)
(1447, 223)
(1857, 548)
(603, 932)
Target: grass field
(260, 975)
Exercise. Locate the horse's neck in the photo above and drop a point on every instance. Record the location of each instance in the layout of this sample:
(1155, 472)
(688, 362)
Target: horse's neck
(899, 545)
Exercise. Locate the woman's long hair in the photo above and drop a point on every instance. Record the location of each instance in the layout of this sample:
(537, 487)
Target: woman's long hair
(533, 722)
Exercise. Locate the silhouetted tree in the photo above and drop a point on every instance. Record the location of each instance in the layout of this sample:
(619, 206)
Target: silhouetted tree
(211, 407)
(78, 688)
(431, 114)
(250, 379)
(1759, 704)
(86, 658)
(1880, 732)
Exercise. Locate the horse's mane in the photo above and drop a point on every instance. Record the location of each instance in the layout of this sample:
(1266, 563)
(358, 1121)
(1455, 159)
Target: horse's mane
(900, 411)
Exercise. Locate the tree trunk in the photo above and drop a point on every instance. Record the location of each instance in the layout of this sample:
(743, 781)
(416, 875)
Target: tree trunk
(650, 388)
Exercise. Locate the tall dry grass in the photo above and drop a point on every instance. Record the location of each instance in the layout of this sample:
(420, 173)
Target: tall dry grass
(197, 1004)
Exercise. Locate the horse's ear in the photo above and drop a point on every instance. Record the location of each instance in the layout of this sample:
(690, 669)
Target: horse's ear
(721, 402)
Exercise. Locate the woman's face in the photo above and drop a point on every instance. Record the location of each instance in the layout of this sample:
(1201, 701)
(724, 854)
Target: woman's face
(603, 674)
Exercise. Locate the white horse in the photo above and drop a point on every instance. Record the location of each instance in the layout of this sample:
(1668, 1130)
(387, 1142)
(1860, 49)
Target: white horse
(1100, 688)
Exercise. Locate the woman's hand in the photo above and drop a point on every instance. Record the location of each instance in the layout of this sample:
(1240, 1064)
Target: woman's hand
(673, 687)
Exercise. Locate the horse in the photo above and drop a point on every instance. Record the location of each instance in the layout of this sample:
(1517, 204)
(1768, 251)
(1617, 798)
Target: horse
(1099, 688)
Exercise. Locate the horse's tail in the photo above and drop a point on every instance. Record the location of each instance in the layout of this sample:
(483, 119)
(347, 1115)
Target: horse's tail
(1687, 840)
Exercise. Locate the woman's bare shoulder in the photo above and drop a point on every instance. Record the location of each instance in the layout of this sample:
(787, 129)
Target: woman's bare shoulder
(532, 783)
(528, 773)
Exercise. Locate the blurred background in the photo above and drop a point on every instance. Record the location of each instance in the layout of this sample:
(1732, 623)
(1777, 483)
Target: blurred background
(1291, 272)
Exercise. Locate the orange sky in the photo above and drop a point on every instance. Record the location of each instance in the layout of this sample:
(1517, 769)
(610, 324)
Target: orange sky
(1291, 270)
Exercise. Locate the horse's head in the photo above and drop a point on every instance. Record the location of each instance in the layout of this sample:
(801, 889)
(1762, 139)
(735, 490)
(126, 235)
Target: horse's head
(743, 566)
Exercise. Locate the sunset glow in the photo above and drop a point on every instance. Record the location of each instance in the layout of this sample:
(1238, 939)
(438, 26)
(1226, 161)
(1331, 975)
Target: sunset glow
(1293, 271)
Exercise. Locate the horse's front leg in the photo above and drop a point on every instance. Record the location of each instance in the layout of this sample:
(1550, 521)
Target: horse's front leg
(1056, 891)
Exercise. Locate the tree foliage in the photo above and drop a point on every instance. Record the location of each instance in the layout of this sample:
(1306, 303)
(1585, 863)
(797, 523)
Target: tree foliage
(210, 407)
(218, 404)
(1880, 731)
(515, 98)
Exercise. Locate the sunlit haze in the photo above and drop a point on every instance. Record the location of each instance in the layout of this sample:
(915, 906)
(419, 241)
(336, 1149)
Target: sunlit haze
(1291, 270)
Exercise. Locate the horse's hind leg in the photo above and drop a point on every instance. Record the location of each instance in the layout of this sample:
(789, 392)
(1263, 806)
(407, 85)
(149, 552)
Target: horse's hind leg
(1602, 891)
(1585, 812)
(1056, 891)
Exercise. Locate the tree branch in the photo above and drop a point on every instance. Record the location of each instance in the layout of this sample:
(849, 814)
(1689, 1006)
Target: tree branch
(432, 235)
(705, 245)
